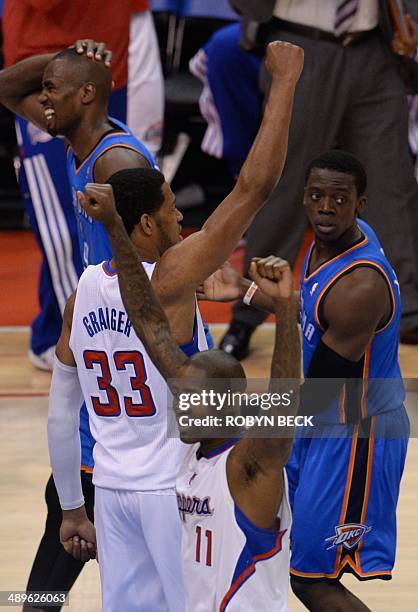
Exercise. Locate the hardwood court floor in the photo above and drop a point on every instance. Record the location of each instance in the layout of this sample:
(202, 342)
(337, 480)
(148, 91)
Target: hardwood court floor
(25, 469)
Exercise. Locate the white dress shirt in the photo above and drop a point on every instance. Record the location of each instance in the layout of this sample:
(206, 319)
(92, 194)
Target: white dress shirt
(321, 13)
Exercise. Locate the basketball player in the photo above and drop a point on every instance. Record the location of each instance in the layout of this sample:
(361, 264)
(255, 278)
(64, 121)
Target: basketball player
(235, 533)
(344, 486)
(177, 268)
(67, 94)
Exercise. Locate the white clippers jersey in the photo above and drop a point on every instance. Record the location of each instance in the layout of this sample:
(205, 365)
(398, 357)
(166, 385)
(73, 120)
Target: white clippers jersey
(125, 394)
(228, 562)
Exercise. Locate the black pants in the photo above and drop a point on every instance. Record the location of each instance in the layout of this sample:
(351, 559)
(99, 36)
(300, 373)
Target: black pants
(53, 569)
(352, 98)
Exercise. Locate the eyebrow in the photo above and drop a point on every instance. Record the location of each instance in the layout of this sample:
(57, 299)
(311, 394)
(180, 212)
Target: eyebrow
(336, 187)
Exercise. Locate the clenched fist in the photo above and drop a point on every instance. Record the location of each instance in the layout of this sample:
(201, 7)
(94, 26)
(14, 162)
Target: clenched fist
(284, 60)
(99, 203)
(273, 276)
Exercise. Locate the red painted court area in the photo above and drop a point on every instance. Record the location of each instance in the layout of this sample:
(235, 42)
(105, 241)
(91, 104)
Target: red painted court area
(20, 262)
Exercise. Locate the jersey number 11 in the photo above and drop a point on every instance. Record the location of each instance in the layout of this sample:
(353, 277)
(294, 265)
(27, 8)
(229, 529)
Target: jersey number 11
(208, 535)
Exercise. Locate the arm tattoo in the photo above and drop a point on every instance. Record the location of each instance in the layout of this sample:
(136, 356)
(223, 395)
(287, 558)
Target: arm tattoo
(143, 308)
(285, 363)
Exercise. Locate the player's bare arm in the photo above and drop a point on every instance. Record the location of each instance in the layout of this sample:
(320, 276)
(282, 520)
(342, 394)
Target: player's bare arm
(77, 533)
(255, 466)
(193, 260)
(144, 310)
(115, 159)
(21, 84)
(355, 308)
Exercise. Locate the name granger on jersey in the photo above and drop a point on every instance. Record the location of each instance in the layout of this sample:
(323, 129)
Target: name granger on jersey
(107, 319)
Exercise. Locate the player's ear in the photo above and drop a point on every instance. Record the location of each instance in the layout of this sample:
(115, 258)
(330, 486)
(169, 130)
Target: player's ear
(88, 93)
(361, 204)
(146, 224)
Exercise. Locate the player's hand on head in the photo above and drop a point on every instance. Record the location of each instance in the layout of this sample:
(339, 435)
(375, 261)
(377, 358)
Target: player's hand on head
(95, 50)
(99, 203)
(284, 60)
(221, 286)
(273, 276)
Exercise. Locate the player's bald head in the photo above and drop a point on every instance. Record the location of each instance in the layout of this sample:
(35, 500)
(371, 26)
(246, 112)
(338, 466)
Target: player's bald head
(78, 69)
(216, 365)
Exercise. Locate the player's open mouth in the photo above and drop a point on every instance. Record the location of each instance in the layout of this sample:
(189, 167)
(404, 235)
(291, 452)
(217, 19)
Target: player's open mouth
(49, 114)
(325, 228)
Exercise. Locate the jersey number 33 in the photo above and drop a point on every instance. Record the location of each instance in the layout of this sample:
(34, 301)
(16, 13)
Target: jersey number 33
(144, 408)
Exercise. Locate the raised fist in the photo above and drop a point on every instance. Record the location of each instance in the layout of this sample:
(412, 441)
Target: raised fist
(284, 59)
(99, 203)
(273, 276)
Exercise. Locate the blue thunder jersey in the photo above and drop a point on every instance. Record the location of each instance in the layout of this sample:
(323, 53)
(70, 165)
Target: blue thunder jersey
(382, 387)
(94, 241)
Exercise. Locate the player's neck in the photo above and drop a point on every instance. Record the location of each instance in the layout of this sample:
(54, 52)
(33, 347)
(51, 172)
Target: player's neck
(145, 254)
(86, 134)
(323, 251)
(147, 250)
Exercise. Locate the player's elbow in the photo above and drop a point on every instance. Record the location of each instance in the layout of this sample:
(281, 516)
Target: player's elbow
(257, 188)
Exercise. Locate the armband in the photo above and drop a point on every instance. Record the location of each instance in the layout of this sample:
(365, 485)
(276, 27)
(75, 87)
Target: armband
(250, 294)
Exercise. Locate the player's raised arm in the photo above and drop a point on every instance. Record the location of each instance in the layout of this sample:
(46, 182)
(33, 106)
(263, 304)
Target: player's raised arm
(141, 303)
(20, 86)
(65, 398)
(202, 253)
(255, 466)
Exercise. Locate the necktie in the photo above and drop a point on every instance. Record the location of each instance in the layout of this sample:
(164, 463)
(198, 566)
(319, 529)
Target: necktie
(344, 16)
(413, 125)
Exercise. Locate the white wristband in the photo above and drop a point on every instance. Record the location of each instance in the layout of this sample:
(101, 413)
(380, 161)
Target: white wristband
(250, 293)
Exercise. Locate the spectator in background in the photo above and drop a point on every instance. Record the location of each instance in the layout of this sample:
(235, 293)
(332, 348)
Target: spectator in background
(351, 96)
(32, 27)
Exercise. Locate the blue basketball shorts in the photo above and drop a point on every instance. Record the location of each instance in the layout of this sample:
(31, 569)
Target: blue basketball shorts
(344, 492)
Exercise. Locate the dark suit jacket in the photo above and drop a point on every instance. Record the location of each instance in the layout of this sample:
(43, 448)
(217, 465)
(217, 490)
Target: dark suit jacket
(261, 11)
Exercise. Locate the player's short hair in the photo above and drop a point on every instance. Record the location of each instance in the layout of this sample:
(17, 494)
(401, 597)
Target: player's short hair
(137, 191)
(344, 162)
(87, 69)
(69, 53)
